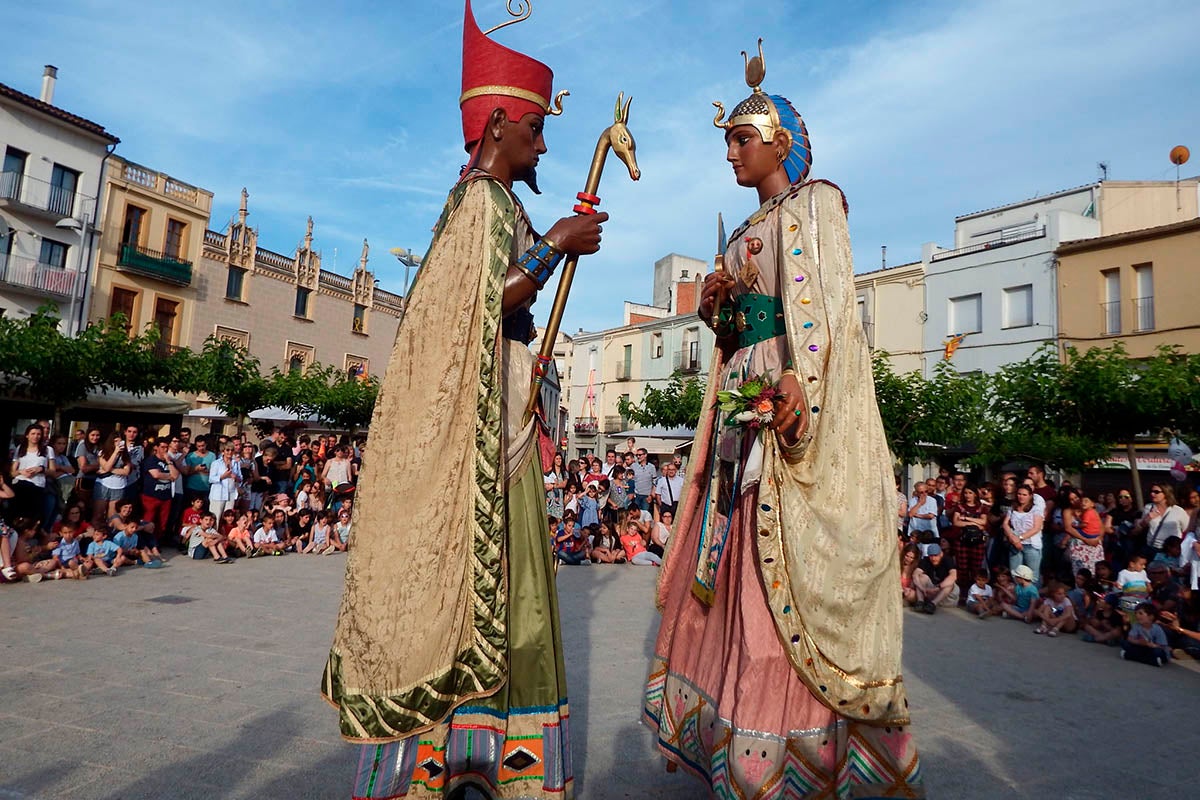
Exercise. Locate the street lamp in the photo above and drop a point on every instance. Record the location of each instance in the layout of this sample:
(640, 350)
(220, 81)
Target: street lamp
(72, 224)
(410, 260)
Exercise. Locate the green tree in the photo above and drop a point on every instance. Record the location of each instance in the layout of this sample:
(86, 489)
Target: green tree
(43, 364)
(1070, 412)
(677, 404)
(922, 418)
(231, 377)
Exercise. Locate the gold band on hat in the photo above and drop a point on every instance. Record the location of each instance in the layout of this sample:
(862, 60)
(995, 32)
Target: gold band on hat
(519, 93)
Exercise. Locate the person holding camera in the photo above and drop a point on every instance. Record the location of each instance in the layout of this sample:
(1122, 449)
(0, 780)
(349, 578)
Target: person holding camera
(668, 488)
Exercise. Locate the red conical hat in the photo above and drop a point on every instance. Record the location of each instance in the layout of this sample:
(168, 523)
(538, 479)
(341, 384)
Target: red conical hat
(495, 76)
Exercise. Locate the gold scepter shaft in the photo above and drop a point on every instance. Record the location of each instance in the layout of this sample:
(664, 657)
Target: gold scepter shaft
(617, 138)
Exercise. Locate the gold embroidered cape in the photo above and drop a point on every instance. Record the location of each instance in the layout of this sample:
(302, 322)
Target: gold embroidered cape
(826, 515)
(422, 624)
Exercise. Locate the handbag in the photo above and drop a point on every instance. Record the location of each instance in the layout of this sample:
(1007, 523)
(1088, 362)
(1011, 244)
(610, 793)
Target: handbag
(973, 535)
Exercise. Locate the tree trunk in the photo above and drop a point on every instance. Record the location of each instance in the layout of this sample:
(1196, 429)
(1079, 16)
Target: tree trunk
(1131, 450)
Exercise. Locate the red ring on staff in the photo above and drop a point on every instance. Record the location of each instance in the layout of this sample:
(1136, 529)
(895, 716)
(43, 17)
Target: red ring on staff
(582, 209)
(588, 198)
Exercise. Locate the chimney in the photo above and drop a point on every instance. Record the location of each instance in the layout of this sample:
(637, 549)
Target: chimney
(49, 76)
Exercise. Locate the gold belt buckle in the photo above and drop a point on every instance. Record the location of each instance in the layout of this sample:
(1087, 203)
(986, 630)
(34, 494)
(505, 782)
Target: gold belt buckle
(739, 320)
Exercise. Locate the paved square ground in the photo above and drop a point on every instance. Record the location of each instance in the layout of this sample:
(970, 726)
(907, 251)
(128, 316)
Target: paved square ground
(200, 681)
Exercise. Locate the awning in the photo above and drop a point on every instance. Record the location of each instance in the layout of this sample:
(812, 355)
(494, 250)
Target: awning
(208, 412)
(657, 440)
(118, 400)
(278, 414)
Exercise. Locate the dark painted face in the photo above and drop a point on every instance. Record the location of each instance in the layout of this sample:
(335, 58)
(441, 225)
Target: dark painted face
(522, 146)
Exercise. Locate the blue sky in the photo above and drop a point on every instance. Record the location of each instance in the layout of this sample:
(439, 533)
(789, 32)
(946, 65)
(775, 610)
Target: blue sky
(347, 111)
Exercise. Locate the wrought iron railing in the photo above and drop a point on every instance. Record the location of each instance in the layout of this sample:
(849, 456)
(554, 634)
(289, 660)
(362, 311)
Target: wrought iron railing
(587, 426)
(624, 370)
(33, 275)
(1143, 313)
(615, 424)
(1110, 313)
(154, 264)
(687, 359)
(1003, 241)
(40, 195)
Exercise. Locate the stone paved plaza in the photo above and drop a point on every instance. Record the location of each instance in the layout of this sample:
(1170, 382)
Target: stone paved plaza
(200, 681)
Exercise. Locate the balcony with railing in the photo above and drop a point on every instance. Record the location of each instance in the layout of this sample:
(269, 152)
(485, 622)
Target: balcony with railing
(1143, 314)
(687, 359)
(153, 264)
(33, 277)
(1110, 317)
(615, 424)
(42, 198)
(587, 426)
(163, 184)
(1004, 240)
(624, 371)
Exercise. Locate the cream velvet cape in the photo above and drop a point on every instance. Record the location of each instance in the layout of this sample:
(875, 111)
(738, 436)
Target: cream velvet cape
(826, 512)
(422, 624)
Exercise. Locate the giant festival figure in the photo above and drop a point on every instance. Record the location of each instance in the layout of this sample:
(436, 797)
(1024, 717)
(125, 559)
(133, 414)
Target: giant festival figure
(447, 659)
(776, 671)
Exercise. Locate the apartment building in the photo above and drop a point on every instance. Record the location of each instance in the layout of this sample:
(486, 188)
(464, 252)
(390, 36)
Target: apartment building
(54, 164)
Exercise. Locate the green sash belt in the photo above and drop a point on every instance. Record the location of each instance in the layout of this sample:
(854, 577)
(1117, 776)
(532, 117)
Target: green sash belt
(757, 317)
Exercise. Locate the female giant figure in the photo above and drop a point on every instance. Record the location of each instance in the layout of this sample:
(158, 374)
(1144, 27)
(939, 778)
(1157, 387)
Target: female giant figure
(777, 665)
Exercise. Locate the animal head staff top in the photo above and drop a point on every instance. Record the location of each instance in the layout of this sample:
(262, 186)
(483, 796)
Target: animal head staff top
(495, 76)
(769, 114)
(621, 140)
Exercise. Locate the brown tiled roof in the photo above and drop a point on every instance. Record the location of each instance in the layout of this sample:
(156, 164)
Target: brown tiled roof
(56, 112)
(1170, 229)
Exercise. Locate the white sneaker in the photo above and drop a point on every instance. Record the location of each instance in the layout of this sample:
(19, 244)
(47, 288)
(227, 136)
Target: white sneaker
(9, 573)
(111, 571)
(34, 577)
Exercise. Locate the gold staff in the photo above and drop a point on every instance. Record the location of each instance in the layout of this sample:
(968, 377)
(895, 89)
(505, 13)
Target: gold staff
(617, 138)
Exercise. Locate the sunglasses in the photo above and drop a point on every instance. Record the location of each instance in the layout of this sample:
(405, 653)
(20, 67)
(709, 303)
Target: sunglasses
(1156, 491)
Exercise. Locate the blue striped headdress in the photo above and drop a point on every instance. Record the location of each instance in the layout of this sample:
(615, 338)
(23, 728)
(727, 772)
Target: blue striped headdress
(770, 114)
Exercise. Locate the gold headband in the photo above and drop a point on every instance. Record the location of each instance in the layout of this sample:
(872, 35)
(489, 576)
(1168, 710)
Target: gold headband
(520, 94)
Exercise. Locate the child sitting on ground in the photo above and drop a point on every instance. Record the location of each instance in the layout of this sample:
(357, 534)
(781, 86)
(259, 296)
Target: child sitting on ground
(103, 554)
(1147, 641)
(1105, 625)
(191, 518)
(126, 538)
(1056, 612)
(605, 547)
(266, 543)
(318, 541)
(1082, 595)
(240, 538)
(205, 540)
(30, 558)
(339, 540)
(1025, 594)
(980, 597)
(67, 554)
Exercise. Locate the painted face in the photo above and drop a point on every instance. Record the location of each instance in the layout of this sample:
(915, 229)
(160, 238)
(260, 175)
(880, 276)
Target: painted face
(523, 145)
(752, 159)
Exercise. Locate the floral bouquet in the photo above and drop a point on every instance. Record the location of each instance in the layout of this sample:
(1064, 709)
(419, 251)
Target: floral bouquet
(751, 404)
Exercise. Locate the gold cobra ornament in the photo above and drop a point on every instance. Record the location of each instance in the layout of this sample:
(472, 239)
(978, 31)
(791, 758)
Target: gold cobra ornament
(616, 137)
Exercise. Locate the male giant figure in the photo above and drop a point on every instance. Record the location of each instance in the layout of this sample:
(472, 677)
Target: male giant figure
(447, 660)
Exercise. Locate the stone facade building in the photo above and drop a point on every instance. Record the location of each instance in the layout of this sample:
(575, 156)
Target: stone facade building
(287, 310)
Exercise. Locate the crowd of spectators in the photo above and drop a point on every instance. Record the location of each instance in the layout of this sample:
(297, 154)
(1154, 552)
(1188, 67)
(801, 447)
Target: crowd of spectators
(615, 510)
(98, 502)
(1058, 559)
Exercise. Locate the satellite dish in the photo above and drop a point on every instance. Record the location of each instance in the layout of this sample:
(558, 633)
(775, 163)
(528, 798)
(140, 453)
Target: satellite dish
(1180, 155)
